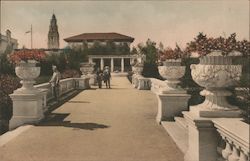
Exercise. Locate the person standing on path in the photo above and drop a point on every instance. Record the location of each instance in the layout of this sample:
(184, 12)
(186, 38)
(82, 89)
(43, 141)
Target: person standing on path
(106, 76)
(55, 82)
(99, 76)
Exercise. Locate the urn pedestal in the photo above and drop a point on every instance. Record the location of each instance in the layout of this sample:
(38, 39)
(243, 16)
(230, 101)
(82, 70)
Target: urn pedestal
(27, 100)
(172, 99)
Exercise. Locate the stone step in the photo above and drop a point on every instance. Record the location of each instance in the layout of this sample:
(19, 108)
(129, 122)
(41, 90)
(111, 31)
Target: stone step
(181, 121)
(177, 133)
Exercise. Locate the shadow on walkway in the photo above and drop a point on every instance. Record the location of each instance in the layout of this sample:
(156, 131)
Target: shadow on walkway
(78, 102)
(56, 119)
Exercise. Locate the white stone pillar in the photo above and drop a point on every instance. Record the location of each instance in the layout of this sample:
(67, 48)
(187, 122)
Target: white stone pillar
(27, 109)
(112, 64)
(102, 64)
(171, 105)
(202, 139)
(122, 64)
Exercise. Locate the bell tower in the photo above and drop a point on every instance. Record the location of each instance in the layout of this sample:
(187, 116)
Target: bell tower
(53, 35)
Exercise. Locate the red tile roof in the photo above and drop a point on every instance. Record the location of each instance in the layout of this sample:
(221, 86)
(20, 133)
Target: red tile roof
(100, 36)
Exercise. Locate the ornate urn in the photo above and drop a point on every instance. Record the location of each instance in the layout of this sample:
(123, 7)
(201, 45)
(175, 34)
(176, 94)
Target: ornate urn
(216, 73)
(27, 72)
(172, 71)
(87, 68)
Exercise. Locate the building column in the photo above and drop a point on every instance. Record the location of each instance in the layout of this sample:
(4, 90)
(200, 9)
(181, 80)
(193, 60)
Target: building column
(122, 64)
(102, 64)
(112, 64)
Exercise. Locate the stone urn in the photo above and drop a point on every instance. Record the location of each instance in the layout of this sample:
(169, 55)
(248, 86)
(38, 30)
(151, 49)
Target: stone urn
(137, 68)
(216, 73)
(27, 72)
(172, 71)
(87, 68)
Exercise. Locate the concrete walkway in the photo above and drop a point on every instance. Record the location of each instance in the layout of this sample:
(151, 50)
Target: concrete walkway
(115, 124)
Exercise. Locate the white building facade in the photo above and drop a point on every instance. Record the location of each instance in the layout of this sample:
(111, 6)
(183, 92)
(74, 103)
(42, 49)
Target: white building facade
(7, 41)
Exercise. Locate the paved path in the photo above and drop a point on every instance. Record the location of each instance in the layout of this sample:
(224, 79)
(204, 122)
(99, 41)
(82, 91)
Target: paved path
(115, 124)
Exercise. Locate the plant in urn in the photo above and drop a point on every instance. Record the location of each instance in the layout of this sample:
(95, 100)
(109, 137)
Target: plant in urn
(171, 69)
(216, 73)
(86, 68)
(26, 68)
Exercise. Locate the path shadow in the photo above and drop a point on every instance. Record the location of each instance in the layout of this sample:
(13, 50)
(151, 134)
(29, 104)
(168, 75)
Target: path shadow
(78, 102)
(57, 119)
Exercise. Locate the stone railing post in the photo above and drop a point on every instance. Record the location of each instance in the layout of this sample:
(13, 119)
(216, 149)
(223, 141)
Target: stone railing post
(27, 101)
(172, 99)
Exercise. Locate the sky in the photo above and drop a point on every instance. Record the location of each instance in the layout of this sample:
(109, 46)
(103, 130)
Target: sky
(168, 21)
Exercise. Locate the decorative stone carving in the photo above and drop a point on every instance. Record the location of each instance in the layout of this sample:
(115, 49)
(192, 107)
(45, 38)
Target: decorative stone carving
(216, 78)
(87, 70)
(172, 74)
(27, 72)
(28, 101)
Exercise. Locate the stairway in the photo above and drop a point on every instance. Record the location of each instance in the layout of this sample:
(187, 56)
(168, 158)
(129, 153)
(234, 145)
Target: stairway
(178, 130)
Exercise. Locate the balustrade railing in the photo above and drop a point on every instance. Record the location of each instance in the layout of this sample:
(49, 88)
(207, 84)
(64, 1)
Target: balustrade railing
(235, 139)
(157, 85)
(66, 85)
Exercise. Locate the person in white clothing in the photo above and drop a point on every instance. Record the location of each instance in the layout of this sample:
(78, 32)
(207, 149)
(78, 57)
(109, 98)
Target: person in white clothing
(55, 82)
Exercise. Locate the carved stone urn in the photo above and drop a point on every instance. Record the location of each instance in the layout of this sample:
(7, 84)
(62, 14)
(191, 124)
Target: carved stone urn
(87, 68)
(172, 71)
(27, 72)
(216, 73)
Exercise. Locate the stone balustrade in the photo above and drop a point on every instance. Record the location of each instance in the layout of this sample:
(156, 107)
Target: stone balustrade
(66, 85)
(140, 82)
(235, 139)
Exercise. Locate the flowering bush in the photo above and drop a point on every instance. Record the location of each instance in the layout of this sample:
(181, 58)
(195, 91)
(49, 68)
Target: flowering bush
(170, 53)
(7, 85)
(204, 45)
(27, 54)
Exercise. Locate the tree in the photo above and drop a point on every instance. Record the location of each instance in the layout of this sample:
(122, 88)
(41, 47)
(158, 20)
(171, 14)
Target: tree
(5, 66)
(151, 52)
(134, 51)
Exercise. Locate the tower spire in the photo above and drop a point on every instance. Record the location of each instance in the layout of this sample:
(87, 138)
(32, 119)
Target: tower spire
(53, 35)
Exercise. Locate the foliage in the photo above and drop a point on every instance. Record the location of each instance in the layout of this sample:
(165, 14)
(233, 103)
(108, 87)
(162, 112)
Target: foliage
(5, 66)
(7, 85)
(150, 50)
(108, 48)
(27, 54)
(170, 53)
(204, 45)
(67, 59)
(134, 51)
(70, 73)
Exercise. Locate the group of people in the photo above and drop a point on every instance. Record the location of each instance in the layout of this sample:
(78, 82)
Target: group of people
(100, 76)
(103, 76)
